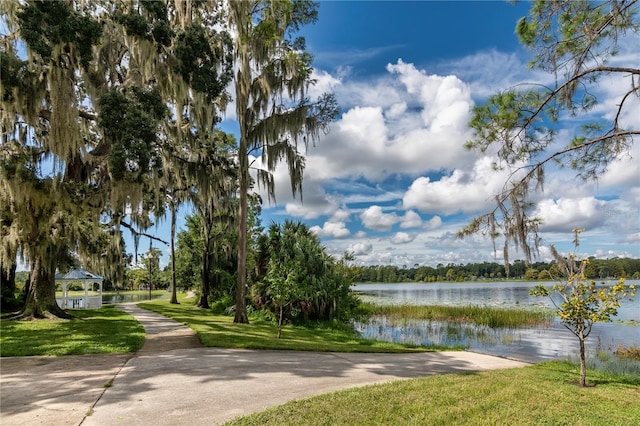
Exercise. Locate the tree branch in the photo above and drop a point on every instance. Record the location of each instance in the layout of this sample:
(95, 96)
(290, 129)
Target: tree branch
(505, 194)
(46, 115)
(143, 234)
(554, 93)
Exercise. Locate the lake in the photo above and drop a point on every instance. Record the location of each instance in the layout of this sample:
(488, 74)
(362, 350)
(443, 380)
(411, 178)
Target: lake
(526, 344)
(112, 299)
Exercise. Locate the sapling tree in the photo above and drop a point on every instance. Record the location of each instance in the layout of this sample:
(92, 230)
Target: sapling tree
(284, 286)
(581, 303)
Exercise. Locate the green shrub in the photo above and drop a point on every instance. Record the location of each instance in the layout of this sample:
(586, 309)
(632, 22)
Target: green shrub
(220, 306)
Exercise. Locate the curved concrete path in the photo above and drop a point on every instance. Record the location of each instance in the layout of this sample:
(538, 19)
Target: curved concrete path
(174, 381)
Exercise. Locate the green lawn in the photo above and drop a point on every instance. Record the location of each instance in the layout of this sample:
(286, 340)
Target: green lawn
(544, 394)
(220, 331)
(106, 330)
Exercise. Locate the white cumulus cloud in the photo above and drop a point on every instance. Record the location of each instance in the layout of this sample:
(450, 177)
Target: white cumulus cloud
(411, 219)
(565, 214)
(374, 218)
(331, 230)
(402, 238)
(461, 191)
(433, 223)
(361, 248)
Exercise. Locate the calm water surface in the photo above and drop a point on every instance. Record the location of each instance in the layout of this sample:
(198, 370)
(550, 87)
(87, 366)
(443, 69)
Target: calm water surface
(111, 299)
(527, 344)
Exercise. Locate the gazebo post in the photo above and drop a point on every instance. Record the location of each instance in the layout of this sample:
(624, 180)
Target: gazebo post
(86, 295)
(100, 294)
(65, 294)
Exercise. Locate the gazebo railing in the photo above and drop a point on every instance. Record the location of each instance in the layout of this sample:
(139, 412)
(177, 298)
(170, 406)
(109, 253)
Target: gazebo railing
(79, 302)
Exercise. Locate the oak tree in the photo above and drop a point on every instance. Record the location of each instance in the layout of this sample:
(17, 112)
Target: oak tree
(98, 98)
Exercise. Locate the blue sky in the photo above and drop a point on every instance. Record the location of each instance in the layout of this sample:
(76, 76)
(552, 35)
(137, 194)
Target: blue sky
(392, 182)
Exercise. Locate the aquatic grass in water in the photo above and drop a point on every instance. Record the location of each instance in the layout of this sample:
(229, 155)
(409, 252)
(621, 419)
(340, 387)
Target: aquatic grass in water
(611, 364)
(465, 326)
(628, 352)
(487, 316)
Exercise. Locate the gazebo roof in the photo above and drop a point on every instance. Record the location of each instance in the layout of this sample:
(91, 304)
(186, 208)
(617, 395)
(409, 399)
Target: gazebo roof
(78, 274)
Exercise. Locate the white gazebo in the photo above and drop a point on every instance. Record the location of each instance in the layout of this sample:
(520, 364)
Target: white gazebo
(88, 280)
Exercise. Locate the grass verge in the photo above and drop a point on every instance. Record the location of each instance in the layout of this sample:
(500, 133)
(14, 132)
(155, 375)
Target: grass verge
(221, 331)
(105, 330)
(541, 394)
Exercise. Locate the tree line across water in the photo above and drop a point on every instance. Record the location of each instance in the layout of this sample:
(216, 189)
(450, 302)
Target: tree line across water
(596, 269)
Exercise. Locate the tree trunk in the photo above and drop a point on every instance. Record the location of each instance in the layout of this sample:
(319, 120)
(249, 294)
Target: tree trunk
(241, 15)
(40, 299)
(174, 295)
(241, 285)
(280, 322)
(204, 296)
(8, 299)
(583, 363)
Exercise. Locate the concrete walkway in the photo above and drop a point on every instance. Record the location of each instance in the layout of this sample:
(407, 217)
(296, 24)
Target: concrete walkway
(174, 381)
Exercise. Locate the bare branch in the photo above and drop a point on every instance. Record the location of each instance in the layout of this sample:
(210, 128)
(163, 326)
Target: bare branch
(141, 233)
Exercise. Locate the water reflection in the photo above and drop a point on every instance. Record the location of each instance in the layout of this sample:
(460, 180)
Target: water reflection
(552, 341)
(111, 299)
